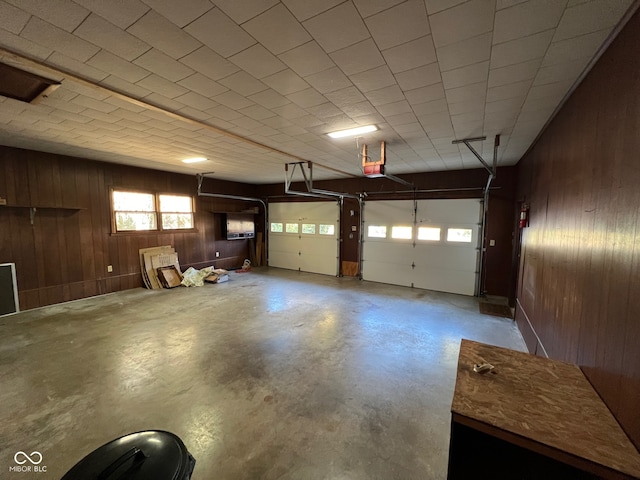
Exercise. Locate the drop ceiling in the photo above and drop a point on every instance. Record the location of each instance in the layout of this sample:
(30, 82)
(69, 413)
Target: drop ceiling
(254, 84)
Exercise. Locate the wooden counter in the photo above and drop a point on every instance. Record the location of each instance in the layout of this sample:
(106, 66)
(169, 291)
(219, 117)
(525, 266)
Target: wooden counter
(543, 414)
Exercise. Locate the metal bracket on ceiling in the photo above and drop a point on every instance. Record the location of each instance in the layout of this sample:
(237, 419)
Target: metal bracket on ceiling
(308, 182)
(376, 168)
(485, 204)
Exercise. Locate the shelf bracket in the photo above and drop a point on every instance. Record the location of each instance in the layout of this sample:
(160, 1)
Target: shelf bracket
(32, 214)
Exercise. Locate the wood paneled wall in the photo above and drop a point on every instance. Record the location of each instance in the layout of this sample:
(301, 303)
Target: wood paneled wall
(449, 184)
(64, 254)
(579, 286)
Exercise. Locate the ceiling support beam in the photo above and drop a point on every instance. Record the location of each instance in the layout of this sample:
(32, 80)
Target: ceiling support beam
(16, 59)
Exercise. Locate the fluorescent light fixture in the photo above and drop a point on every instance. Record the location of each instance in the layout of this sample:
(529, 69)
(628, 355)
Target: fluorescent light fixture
(352, 132)
(194, 160)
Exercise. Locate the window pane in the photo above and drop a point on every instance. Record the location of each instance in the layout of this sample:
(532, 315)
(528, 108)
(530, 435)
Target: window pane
(309, 228)
(429, 233)
(401, 232)
(276, 227)
(133, 202)
(292, 228)
(327, 229)
(135, 221)
(175, 203)
(172, 221)
(377, 231)
(459, 235)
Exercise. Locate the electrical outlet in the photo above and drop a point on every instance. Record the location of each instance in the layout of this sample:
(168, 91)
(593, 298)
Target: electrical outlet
(492, 243)
(217, 254)
(109, 268)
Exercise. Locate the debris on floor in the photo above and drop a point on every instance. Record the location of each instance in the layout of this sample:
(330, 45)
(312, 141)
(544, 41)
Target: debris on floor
(246, 266)
(169, 276)
(151, 259)
(219, 275)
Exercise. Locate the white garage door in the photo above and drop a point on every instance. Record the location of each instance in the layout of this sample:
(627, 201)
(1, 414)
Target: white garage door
(304, 236)
(436, 248)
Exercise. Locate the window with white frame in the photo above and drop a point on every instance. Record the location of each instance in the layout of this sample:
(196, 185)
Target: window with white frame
(401, 232)
(326, 229)
(461, 235)
(276, 227)
(431, 234)
(377, 231)
(136, 211)
(309, 228)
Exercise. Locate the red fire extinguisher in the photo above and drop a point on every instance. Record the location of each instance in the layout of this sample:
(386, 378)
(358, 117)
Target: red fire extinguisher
(524, 215)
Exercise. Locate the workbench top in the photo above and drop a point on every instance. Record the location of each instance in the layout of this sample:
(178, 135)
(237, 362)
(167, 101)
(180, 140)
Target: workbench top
(545, 405)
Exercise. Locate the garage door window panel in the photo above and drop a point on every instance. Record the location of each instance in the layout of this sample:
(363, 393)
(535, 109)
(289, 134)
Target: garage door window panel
(309, 228)
(377, 231)
(460, 235)
(401, 232)
(429, 234)
(292, 227)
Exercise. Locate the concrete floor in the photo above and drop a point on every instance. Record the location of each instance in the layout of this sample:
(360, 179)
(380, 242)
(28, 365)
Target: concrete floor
(272, 375)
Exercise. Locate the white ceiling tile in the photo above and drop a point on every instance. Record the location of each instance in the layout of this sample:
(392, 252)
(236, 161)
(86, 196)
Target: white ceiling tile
(577, 47)
(410, 55)
(401, 119)
(277, 30)
(466, 75)
(508, 3)
(209, 63)
(304, 9)
(220, 33)
(13, 19)
(115, 65)
(514, 73)
(163, 102)
(509, 105)
(521, 50)
(590, 17)
(461, 22)
(257, 112)
(557, 89)
(400, 24)
(195, 100)
(242, 10)
(202, 85)
(513, 90)
(526, 19)
(223, 112)
(71, 65)
(306, 59)
(243, 83)
(359, 57)
(181, 13)
(385, 95)
(358, 110)
(160, 33)
(467, 52)
(135, 90)
(233, 100)
(337, 28)
(435, 6)
(425, 94)
(64, 14)
(126, 13)
(431, 107)
(308, 97)
(419, 77)
(269, 98)
(258, 61)
(373, 79)
(98, 31)
(346, 96)
(290, 112)
(45, 34)
(328, 80)
(24, 46)
(468, 106)
(324, 110)
(162, 86)
(467, 93)
(371, 7)
(394, 108)
(285, 82)
(157, 62)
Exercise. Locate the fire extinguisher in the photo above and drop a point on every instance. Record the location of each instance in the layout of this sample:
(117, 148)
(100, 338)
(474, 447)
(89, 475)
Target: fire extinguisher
(524, 215)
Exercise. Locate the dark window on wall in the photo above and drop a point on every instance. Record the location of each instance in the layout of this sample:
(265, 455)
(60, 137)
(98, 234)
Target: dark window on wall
(139, 211)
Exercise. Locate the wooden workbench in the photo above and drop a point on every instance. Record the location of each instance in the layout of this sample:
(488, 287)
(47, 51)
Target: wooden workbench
(532, 417)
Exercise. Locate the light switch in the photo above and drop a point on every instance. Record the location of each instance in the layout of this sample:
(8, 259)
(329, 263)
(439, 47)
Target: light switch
(354, 228)
(492, 243)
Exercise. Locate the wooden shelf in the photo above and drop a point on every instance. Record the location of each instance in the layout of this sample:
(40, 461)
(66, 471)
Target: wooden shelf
(34, 208)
